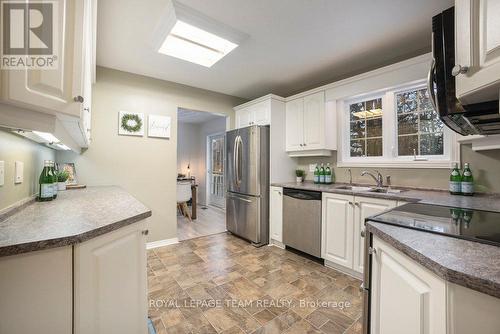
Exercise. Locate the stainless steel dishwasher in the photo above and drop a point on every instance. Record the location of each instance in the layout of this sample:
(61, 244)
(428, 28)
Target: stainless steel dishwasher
(302, 220)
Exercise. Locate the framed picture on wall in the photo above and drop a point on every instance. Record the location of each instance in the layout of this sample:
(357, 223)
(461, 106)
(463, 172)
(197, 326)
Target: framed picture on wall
(131, 123)
(159, 126)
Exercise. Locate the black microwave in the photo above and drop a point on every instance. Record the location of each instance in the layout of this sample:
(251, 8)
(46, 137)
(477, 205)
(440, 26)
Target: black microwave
(473, 119)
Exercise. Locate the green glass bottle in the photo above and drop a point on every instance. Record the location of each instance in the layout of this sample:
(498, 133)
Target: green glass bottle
(54, 178)
(467, 183)
(322, 174)
(45, 192)
(316, 174)
(328, 174)
(455, 181)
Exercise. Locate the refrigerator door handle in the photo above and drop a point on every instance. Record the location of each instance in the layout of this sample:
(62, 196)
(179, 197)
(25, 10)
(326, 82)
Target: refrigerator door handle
(238, 160)
(235, 160)
(239, 198)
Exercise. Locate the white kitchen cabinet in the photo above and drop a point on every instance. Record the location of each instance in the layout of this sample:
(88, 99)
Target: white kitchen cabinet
(337, 229)
(365, 207)
(36, 292)
(405, 297)
(110, 283)
(478, 49)
(276, 214)
(343, 221)
(310, 126)
(258, 113)
(55, 90)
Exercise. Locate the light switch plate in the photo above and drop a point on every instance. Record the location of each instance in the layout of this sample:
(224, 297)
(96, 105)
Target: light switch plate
(312, 167)
(2, 173)
(19, 172)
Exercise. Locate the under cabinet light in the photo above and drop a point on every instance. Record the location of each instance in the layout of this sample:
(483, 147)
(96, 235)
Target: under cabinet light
(48, 137)
(195, 45)
(63, 147)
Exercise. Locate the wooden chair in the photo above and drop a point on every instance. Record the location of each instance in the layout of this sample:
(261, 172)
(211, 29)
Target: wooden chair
(183, 196)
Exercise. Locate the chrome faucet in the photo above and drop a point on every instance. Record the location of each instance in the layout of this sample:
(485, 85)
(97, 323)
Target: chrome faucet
(348, 171)
(379, 178)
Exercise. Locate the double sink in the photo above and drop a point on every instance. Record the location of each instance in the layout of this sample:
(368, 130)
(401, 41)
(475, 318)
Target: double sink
(371, 189)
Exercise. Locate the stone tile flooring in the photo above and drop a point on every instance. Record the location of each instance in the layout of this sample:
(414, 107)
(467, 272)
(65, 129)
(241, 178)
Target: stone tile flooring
(222, 284)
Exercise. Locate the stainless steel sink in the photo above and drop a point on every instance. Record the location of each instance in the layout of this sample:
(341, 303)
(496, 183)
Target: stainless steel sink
(354, 188)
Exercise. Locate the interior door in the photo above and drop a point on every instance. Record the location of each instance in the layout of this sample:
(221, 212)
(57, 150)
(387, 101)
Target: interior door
(215, 170)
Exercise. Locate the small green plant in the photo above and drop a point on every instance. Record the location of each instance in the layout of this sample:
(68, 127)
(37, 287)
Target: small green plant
(300, 173)
(62, 176)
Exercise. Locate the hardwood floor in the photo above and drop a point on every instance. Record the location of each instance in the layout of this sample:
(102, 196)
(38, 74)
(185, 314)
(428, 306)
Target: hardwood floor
(222, 284)
(210, 221)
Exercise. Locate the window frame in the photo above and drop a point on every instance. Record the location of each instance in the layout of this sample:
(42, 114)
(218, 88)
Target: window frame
(390, 157)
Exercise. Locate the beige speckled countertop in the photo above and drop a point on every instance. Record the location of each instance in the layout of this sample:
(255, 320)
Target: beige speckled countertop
(471, 264)
(75, 216)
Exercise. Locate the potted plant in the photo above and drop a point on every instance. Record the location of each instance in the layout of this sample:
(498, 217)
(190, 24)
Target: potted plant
(300, 174)
(62, 177)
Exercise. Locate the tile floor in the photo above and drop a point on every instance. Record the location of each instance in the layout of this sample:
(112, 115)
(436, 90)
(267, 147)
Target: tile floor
(221, 284)
(209, 221)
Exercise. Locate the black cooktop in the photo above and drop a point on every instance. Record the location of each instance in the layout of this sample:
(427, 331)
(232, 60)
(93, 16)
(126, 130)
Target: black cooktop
(475, 225)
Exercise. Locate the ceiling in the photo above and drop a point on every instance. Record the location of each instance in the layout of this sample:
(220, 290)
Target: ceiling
(196, 117)
(292, 45)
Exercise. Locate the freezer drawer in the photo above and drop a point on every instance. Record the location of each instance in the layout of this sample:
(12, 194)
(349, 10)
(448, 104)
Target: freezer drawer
(243, 216)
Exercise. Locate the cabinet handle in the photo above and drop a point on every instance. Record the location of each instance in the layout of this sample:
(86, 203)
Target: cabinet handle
(86, 109)
(362, 287)
(78, 98)
(145, 232)
(356, 203)
(351, 203)
(372, 250)
(363, 233)
(279, 193)
(457, 69)
(305, 144)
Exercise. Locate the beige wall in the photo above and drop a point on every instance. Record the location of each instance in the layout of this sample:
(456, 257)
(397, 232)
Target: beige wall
(146, 167)
(15, 148)
(485, 167)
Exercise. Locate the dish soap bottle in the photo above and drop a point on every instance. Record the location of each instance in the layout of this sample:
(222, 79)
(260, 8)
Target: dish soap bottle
(45, 192)
(322, 174)
(455, 181)
(316, 174)
(328, 174)
(467, 185)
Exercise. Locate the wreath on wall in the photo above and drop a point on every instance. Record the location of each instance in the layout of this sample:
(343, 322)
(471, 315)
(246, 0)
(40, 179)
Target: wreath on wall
(131, 123)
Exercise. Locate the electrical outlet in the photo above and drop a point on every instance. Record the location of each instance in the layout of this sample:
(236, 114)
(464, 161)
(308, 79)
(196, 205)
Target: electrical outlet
(312, 167)
(19, 173)
(2, 173)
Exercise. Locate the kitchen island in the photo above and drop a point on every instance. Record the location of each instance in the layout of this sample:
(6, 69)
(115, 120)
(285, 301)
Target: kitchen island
(74, 265)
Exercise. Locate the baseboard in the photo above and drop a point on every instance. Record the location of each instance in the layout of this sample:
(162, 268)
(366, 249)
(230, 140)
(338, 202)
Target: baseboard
(276, 243)
(161, 243)
(343, 270)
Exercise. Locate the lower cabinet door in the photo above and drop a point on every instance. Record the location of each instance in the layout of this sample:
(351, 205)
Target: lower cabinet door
(364, 208)
(110, 287)
(405, 297)
(337, 229)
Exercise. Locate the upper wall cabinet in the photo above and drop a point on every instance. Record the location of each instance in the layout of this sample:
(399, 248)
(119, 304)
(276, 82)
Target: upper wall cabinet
(65, 90)
(253, 114)
(310, 126)
(477, 50)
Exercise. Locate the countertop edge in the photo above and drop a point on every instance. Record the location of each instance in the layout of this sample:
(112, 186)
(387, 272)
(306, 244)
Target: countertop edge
(70, 240)
(472, 282)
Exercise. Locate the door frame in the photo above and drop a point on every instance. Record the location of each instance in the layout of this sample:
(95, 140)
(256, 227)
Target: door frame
(208, 164)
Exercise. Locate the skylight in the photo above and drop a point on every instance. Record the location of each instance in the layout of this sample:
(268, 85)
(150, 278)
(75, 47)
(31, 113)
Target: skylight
(195, 45)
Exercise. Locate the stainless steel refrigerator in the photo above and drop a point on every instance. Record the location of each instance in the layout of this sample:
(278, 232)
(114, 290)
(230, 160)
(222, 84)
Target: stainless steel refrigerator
(247, 186)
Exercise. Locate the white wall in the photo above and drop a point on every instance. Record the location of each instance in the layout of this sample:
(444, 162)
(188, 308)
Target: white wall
(145, 167)
(192, 148)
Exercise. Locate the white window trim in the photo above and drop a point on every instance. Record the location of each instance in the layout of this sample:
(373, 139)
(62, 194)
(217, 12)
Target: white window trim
(389, 159)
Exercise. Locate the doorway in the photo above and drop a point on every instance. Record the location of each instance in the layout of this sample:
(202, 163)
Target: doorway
(215, 170)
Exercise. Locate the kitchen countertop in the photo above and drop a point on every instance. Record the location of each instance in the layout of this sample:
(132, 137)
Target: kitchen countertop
(489, 202)
(470, 264)
(75, 216)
